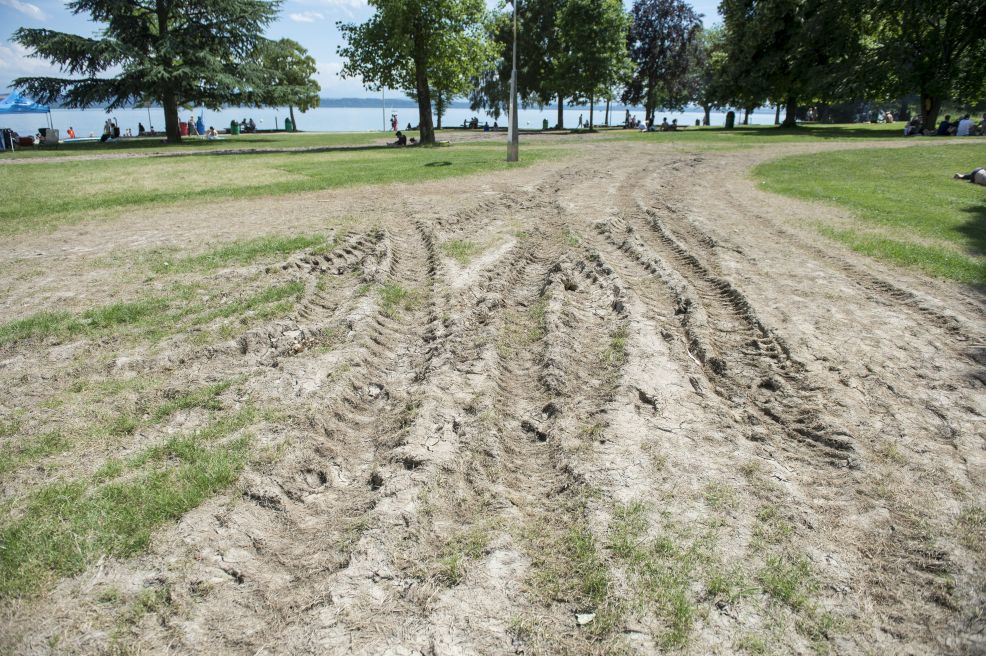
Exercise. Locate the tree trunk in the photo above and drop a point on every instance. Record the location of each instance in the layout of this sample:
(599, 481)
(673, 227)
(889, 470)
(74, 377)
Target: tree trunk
(294, 123)
(791, 113)
(171, 129)
(439, 108)
(425, 126)
(561, 112)
(777, 114)
(707, 119)
(746, 116)
(607, 112)
(592, 105)
(930, 108)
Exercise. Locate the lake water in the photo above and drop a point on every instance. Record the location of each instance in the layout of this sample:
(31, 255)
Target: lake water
(323, 119)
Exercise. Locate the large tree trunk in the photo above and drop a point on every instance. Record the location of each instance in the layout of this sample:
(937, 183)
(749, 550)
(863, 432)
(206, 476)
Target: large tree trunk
(791, 113)
(592, 105)
(425, 126)
(294, 123)
(607, 112)
(561, 112)
(439, 108)
(930, 108)
(171, 129)
(707, 119)
(746, 115)
(777, 114)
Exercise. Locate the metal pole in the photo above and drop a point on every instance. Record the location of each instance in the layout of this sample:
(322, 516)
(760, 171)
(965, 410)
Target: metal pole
(383, 110)
(513, 145)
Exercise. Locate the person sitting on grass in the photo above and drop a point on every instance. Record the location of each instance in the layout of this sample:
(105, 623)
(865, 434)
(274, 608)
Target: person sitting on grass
(945, 128)
(211, 134)
(978, 176)
(401, 140)
(964, 127)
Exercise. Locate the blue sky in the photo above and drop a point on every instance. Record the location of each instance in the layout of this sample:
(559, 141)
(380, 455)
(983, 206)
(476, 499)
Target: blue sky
(310, 22)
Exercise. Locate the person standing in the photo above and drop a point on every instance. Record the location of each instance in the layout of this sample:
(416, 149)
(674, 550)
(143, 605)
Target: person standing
(580, 120)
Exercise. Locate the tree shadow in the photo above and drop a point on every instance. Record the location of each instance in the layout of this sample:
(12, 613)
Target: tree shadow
(813, 131)
(975, 228)
(439, 164)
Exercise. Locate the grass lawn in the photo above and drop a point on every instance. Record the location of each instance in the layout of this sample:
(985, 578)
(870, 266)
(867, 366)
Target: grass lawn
(149, 145)
(909, 209)
(757, 135)
(79, 190)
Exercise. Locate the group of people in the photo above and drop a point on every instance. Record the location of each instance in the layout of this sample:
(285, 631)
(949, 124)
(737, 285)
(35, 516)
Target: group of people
(647, 126)
(963, 127)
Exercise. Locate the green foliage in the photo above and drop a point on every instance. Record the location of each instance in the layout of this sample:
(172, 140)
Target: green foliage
(790, 51)
(174, 52)
(286, 71)
(664, 35)
(593, 57)
(934, 49)
(418, 46)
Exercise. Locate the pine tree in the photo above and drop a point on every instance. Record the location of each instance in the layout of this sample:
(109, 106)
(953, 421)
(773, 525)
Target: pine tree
(173, 52)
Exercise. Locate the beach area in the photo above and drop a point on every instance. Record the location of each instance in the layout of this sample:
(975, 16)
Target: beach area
(701, 392)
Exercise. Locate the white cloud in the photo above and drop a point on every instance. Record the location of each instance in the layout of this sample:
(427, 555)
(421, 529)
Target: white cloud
(25, 8)
(307, 17)
(16, 62)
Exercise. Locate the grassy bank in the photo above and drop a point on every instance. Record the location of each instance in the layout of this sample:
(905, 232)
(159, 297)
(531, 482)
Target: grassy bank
(80, 190)
(908, 209)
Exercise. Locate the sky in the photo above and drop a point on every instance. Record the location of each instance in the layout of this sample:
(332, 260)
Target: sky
(312, 23)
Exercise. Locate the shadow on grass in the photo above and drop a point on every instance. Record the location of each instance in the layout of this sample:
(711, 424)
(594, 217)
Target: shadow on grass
(439, 164)
(975, 228)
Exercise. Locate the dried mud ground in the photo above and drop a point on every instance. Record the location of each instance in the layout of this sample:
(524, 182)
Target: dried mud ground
(646, 409)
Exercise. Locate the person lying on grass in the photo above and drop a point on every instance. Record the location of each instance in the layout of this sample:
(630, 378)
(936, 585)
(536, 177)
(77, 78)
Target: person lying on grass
(978, 176)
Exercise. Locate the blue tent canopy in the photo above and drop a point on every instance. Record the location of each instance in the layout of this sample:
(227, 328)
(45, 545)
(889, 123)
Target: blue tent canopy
(16, 103)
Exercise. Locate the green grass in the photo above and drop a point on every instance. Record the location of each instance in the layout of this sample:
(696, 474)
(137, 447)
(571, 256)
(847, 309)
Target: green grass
(151, 318)
(910, 211)
(394, 298)
(67, 525)
(460, 251)
(237, 253)
(31, 449)
(153, 145)
(758, 135)
(77, 191)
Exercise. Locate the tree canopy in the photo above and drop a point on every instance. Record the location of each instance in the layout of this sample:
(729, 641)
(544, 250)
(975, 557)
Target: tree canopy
(285, 74)
(663, 44)
(418, 46)
(174, 52)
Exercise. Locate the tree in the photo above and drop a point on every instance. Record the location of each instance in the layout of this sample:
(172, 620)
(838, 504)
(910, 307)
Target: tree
(414, 44)
(593, 38)
(935, 49)
(286, 71)
(792, 50)
(174, 52)
(538, 57)
(708, 60)
(662, 42)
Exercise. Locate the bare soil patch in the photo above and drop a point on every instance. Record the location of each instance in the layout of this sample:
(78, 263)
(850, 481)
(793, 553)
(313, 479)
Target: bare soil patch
(644, 411)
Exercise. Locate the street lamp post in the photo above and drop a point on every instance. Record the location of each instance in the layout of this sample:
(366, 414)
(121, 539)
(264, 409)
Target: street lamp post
(513, 145)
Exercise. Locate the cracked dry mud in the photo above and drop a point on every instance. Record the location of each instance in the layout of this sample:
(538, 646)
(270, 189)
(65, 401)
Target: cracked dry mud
(652, 378)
